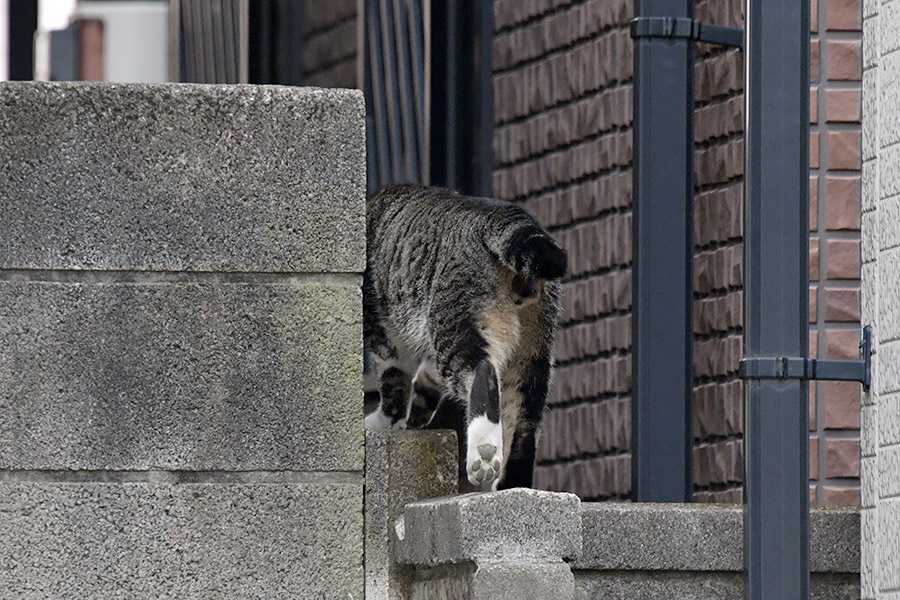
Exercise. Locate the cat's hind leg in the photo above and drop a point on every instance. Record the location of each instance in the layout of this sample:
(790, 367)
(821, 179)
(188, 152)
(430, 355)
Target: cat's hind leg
(484, 434)
(426, 397)
(394, 384)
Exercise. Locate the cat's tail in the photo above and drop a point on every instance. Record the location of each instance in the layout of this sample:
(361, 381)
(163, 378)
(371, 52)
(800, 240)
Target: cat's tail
(526, 248)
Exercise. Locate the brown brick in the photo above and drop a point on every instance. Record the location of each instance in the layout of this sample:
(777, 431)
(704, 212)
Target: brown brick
(842, 305)
(843, 15)
(813, 259)
(844, 150)
(842, 197)
(812, 406)
(813, 105)
(813, 345)
(814, 60)
(814, 150)
(841, 405)
(842, 458)
(813, 315)
(843, 344)
(813, 457)
(814, 16)
(843, 259)
(834, 496)
(813, 202)
(843, 106)
(844, 60)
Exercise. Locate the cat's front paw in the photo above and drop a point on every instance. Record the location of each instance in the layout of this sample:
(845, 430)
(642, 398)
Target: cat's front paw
(484, 455)
(379, 420)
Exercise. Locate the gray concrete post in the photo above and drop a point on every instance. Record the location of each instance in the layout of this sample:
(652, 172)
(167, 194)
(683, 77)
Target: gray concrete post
(508, 545)
(401, 467)
(181, 356)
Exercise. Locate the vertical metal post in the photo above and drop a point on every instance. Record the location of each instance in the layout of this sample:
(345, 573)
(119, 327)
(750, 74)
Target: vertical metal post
(662, 370)
(776, 256)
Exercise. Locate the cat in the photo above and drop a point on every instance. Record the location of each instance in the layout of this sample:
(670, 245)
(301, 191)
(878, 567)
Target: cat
(460, 300)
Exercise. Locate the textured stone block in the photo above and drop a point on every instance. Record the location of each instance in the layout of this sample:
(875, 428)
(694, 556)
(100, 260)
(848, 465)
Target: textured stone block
(888, 543)
(842, 203)
(841, 404)
(842, 458)
(638, 585)
(185, 375)
(843, 15)
(889, 291)
(889, 471)
(844, 60)
(148, 540)
(889, 223)
(649, 536)
(401, 467)
(692, 537)
(870, 133)
(886, 182)
(842, 305)
(888, 431)
(844, 150)
(889, 120)
(522, 524)
(843, 259)
(181, 177)
(843, 106)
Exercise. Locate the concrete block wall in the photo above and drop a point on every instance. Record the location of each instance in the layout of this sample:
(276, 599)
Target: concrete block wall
(687, 551)
(523, 544)
(180, 310)
(880, 414)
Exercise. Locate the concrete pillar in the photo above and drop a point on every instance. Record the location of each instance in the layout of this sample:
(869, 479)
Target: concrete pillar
(880, 416)
(508, 545)
(401, 467)
(181, 356)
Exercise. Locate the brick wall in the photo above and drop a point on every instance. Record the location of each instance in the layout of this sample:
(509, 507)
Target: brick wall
(718, 260)
(330, 43)
(562, 150)
(835, 108)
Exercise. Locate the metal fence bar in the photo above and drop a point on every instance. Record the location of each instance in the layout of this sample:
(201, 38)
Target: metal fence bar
(662, 370)
(776, 255)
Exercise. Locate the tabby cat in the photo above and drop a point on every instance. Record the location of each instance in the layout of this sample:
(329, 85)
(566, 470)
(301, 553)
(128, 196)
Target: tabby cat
(460, 301)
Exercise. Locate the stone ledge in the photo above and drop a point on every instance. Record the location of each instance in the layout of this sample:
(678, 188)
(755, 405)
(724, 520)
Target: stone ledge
(697, 537)
(173, 177)
(150, 541)
(512, 526)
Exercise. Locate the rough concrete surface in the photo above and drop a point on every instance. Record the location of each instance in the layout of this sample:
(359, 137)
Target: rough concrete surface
(401, 467)
(518, 525)
(193, 376)
(150, 541)
(494, 581)
(700, 537)
(173, 177)
(694, 585)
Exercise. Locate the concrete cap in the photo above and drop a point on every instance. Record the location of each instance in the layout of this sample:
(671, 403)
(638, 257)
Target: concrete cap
(701, 537)
(510, 526)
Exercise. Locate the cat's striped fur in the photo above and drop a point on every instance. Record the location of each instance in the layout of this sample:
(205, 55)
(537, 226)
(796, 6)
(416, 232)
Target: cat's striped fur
(461, 297)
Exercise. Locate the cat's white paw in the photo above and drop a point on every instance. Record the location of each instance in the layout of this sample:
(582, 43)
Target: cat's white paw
(379, 420)
(484, 454)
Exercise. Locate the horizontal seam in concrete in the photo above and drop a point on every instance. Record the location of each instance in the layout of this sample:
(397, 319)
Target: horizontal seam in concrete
(153, 277)
(182, 477)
